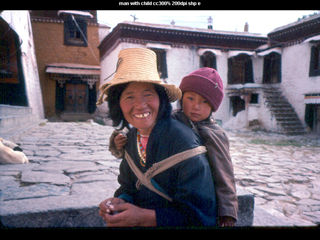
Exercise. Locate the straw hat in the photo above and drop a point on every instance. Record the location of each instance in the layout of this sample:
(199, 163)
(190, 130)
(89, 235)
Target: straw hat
(138, 65)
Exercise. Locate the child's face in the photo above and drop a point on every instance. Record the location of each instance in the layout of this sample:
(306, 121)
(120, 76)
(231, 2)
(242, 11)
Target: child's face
(195, 107)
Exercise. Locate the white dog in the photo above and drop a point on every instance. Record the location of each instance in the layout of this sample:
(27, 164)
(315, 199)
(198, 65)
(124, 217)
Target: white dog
(11, 153)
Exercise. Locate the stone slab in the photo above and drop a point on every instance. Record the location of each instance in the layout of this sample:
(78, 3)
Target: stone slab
(44, 177)
(55, 211)
(245, 207)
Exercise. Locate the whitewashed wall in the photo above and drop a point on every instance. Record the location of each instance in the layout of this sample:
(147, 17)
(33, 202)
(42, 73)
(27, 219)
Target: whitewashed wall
(295, 76)
(20, 22)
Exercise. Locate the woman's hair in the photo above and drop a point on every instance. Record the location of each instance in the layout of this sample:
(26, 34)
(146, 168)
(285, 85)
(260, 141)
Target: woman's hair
(115, 112)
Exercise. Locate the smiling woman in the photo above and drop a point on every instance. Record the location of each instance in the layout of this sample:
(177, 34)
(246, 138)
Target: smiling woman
(140, 101)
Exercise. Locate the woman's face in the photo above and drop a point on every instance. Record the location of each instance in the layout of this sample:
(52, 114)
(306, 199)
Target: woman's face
(140, 103)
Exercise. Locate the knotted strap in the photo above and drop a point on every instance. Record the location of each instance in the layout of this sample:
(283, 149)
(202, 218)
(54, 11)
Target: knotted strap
(145, 178)
(142, 178)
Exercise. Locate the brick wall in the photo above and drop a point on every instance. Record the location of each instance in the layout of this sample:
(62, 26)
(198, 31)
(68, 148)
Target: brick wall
(50, 48)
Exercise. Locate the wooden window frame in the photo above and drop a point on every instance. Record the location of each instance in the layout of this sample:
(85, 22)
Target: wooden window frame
(272, 68)
(245, 74)
(208, 59)
(314, 69)
(72, 35)
(161, 62)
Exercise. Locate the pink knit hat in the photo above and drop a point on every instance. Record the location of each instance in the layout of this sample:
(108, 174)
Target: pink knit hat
(206, 82)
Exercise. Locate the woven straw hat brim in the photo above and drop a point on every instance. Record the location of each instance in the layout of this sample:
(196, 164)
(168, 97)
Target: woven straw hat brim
(138, 65)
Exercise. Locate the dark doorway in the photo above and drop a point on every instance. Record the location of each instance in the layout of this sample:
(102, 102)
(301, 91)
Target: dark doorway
(312, 117)
(237, 104)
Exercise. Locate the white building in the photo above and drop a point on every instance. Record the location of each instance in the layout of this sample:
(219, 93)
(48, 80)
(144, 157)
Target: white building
(21, 101)
(266, 78)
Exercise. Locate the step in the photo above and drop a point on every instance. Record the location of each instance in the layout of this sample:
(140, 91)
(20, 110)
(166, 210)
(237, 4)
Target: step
(285, 117)
(6, 110)
(283, 112)
(279, 105)
(276, 100)
(14, 119)
(293, 130)
(293, 127)
(71, 117)
(289, 113)
(297, 132)
(289, 121)
(273, 95)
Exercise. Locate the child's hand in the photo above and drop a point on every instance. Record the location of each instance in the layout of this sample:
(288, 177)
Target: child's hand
(120, 140)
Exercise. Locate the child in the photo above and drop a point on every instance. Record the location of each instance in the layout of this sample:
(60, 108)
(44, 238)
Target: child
(202, 94)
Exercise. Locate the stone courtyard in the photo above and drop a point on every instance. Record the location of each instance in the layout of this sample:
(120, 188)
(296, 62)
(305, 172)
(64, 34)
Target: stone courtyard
(70, 160)
(283, 173)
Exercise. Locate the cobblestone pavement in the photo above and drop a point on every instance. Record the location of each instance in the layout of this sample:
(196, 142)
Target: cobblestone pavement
(283, 172)
(72, 159)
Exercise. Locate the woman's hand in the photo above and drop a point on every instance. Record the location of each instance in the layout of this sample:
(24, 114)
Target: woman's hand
(106, 206)
(120, 140)
(127, 215)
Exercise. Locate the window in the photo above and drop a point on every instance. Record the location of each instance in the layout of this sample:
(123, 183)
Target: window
(208, 59)
(254, 98)
(272, 68)
(4, 59)
(240, 69)
(161, 62)
(8, 58)
(315, 61)
(75, 34)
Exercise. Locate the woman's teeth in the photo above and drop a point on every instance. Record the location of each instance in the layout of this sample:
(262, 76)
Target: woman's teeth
(142, 115)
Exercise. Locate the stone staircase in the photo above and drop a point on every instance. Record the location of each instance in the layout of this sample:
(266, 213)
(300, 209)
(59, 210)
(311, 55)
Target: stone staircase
(283, 112)
(15, 119)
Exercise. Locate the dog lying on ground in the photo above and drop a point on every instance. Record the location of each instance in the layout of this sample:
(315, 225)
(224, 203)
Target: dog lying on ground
(11, 153)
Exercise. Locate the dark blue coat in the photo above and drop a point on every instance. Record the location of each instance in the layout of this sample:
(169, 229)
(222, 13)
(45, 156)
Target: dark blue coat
(188, 183)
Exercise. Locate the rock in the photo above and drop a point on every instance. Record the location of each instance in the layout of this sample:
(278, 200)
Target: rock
(34, 191)
(245, 207)
(44, 177)
(94, 187)
(271, 191)
(301, 194)
(265, 219)
(96, 177)
(60, 211)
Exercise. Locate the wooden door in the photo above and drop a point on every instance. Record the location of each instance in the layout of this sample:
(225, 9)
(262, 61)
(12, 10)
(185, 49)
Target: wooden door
(76, 98)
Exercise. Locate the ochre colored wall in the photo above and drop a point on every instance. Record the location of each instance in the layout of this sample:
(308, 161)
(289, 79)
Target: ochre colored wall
(50, 48)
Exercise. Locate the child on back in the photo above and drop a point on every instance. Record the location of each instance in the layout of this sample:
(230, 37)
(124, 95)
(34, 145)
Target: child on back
(202, 94)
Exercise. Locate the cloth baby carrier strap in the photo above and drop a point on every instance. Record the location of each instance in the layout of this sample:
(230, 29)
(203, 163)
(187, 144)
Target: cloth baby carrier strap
(146, 178)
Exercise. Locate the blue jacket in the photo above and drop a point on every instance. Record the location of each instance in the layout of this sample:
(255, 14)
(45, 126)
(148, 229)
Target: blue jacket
(189, 183)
